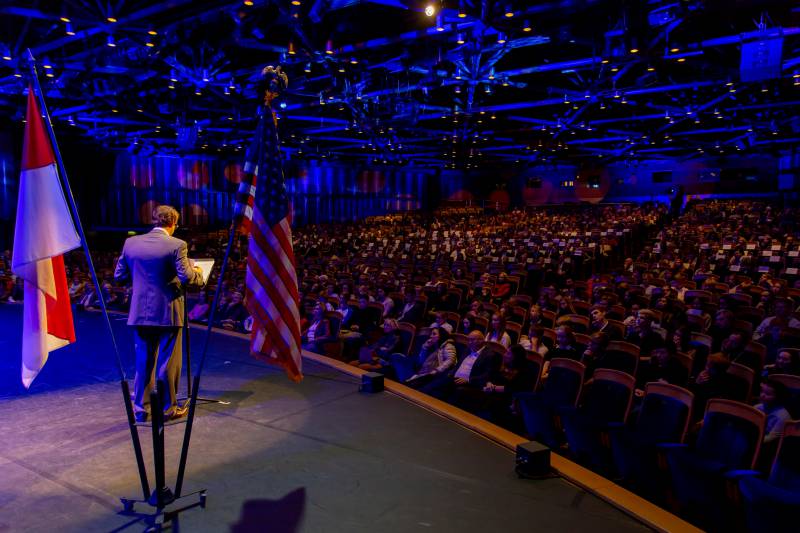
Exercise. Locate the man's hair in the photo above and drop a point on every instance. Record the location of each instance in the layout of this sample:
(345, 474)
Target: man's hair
(165, 216)
(781, 391)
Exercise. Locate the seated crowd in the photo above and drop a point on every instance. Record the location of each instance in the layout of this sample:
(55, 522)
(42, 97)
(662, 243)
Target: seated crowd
(559, 334)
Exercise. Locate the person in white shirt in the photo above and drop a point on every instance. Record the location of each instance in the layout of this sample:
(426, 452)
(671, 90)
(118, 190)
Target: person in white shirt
(497, 332)
(533, 340)
(441, 322)
(782, 317)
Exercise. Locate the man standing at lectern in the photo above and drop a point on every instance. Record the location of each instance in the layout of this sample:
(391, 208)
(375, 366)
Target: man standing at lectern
(159, 267)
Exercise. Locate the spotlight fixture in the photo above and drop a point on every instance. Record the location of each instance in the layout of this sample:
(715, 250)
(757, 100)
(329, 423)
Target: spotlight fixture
(353, 61)
(651, 68)
(307, 69)
(110, 41)
(501, 38)
(674, 50)
(634, 50)
(296, 2)
(152, 32)
(460, 39)
(248, 2)
(329, 47)
(290, 49)
(68, 29)
(430, 9)
(439, 23)
(526, 27)
(509, 12)
(65, 19)
(112, 20)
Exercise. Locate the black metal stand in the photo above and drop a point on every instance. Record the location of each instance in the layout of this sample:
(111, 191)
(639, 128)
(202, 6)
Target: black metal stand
(162, 496)
(187, 343)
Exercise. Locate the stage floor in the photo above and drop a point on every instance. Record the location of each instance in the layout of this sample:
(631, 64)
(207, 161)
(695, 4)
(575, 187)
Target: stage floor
(315, 456)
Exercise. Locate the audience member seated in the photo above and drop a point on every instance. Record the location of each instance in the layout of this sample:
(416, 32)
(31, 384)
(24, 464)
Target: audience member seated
(200, 311)
(497, 331)
(471, 374)
(773, 404)
(713, 382)
(516, 374)
(377, 355)
(782, 318)
(599, 322)
(533, 341)
(412, 309)
(643, 334)
(77, 288)
(319, 331)
(787, 362)
(437, 357)
(233, 314)
(440, 321)
(565, 345)
(594, 356)
(662, 367)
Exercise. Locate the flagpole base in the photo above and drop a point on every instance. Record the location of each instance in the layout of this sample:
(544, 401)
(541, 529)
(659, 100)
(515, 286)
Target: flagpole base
(163, 516)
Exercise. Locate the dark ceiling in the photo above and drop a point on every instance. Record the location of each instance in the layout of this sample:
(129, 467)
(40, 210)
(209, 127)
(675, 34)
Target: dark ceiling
(477, 84)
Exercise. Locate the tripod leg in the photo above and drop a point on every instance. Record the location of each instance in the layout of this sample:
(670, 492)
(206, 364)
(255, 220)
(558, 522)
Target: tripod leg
(187, 437)
(137, 446)
(157, 413)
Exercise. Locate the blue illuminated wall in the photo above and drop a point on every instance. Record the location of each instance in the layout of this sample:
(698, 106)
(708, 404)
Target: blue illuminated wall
(204, 189)
(9, 179)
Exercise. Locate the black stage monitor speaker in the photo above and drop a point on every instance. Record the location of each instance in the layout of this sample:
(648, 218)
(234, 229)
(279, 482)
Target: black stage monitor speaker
(371, 382)
(533, 460)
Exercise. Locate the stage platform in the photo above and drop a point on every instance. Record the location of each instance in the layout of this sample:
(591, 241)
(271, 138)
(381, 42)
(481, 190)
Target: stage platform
(316, 456)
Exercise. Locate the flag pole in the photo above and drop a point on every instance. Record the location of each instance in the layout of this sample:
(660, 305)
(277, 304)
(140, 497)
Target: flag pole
(62, 174)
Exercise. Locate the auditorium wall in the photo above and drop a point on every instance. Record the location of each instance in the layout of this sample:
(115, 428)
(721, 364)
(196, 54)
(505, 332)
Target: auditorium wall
(204, 187)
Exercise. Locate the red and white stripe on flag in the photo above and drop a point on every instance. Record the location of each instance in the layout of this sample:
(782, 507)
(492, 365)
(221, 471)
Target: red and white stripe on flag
(44, 231)
(272, 296)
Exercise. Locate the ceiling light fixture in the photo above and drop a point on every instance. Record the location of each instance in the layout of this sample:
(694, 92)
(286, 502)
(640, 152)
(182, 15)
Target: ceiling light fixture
(501, 38)
(439, 24)
(329, 47)
(308, 68)
(152, 32)
(460, 39)
(110, 41)
(112, 20)
(65, 19)
(526, 27)
(430, 9)
(68, 29)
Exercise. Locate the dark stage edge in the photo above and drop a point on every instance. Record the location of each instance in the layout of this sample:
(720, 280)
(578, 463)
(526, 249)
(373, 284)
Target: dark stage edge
(314, 456)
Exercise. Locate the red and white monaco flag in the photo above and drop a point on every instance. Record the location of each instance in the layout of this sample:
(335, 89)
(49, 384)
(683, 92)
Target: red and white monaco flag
(44, 232)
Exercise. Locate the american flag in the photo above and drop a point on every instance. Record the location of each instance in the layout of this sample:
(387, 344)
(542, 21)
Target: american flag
(271, 284)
